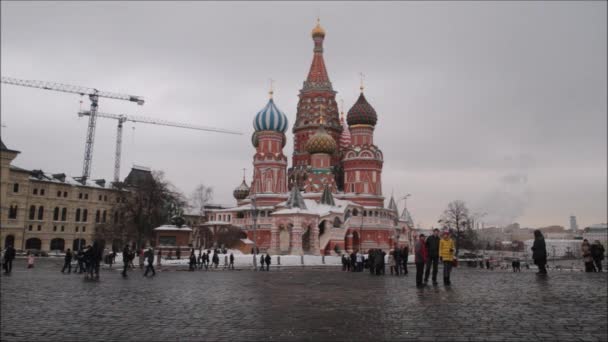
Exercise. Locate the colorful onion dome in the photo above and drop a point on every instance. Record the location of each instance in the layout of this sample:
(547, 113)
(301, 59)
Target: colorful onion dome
(270, 118)
(242, 191)
(318, 30)
(362, 113)
(321, 142)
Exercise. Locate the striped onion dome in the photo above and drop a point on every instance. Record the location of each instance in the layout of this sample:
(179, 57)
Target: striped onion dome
(345, 138)
(270, 118)
(242, 191)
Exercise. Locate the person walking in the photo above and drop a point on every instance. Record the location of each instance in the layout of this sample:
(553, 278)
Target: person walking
(597, 253)
(97, 256)
(405, 254)
(67, 261)
(206, 260)
(587, 258)
(397, 256)
(262, 262)
(192, 261)
(9, 256)
(231, 265)
(446, 254)
(432, 247)
(199, 259)
(216, 259)
(359, 258)
(420, 258)
(150, 266)
(344, 267)
(125, 259)
(30, 260)
(539, 252)
(391, 262)
(267, 259)
(371, 260)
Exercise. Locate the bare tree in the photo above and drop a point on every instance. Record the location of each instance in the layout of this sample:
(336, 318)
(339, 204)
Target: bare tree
(455, 217)
(200, 198)
(147, 204)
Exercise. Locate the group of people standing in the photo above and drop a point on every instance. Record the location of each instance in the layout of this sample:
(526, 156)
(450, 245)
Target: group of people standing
(593, 255)
(204, 258)
(427, 254)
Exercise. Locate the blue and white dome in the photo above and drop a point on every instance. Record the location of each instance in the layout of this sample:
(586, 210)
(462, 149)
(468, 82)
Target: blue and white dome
(270, 118)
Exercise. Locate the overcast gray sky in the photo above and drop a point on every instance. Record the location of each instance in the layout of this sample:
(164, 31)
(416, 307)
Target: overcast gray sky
(499, 104)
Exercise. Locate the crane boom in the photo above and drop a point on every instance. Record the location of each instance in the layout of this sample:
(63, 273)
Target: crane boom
(73, 89)
(122, 118)
(94, 96)
(143, 119)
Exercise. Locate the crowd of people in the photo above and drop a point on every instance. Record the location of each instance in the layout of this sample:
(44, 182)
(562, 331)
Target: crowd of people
(428, 252)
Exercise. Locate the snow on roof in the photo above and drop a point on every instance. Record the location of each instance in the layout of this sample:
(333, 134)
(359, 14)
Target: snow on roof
(315, 208)
(49, 177)
(170, 227)
(212, 223)
(247, 241)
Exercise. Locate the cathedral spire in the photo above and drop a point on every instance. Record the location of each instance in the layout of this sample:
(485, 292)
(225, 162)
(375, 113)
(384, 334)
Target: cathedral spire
(326, 197)
(317, 76)
(295, 199)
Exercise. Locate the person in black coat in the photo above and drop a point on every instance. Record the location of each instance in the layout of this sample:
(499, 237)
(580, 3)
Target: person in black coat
(597, 253)
(216, 259)
(267, 259)
(378, 262)
(262, 262)
(67, 261)
(405, 253)
(432, 247)
(539, 252)
(192, 261)
(371, 260)
(9, 256)
(149, 255)
(125, 259)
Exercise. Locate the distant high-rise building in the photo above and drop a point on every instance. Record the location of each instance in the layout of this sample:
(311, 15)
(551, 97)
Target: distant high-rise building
(573, 225)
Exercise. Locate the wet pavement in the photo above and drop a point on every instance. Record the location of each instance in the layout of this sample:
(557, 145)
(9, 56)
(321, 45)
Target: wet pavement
(300, 304)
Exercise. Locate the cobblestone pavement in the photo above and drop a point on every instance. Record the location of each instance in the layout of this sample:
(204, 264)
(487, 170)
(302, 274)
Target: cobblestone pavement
(300, 304)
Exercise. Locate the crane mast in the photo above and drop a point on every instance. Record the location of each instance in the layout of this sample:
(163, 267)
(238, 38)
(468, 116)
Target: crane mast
(122, 118)
(94, 96)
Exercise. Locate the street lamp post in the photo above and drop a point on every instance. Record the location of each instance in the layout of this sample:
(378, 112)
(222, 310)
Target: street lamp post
(254, 215)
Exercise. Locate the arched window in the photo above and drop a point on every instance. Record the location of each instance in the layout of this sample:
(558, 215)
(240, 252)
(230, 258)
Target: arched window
(103, 217)
(85, 213)
(40, 212)
(78, 215)
(64, 214)
(116, 217)
(56, 214)
(12, 212)
(32, 212)
(57, 244)
(355, 212)
(33, 243)
(97, 216)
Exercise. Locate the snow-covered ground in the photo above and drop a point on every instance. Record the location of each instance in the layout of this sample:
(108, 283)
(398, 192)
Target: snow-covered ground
(246, 260)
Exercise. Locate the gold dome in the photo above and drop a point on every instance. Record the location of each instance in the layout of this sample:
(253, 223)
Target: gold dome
(318, 30)
(321, 142)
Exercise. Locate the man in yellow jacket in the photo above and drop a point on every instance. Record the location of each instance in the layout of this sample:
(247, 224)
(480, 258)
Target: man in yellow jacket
(446, 254)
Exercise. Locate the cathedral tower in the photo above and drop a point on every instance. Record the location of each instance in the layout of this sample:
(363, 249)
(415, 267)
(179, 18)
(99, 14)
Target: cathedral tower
(317, 91)
(363, 160)
(269, 162)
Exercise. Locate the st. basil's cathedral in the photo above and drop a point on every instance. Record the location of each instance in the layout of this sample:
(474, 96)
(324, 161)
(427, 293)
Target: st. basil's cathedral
(330, 200)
